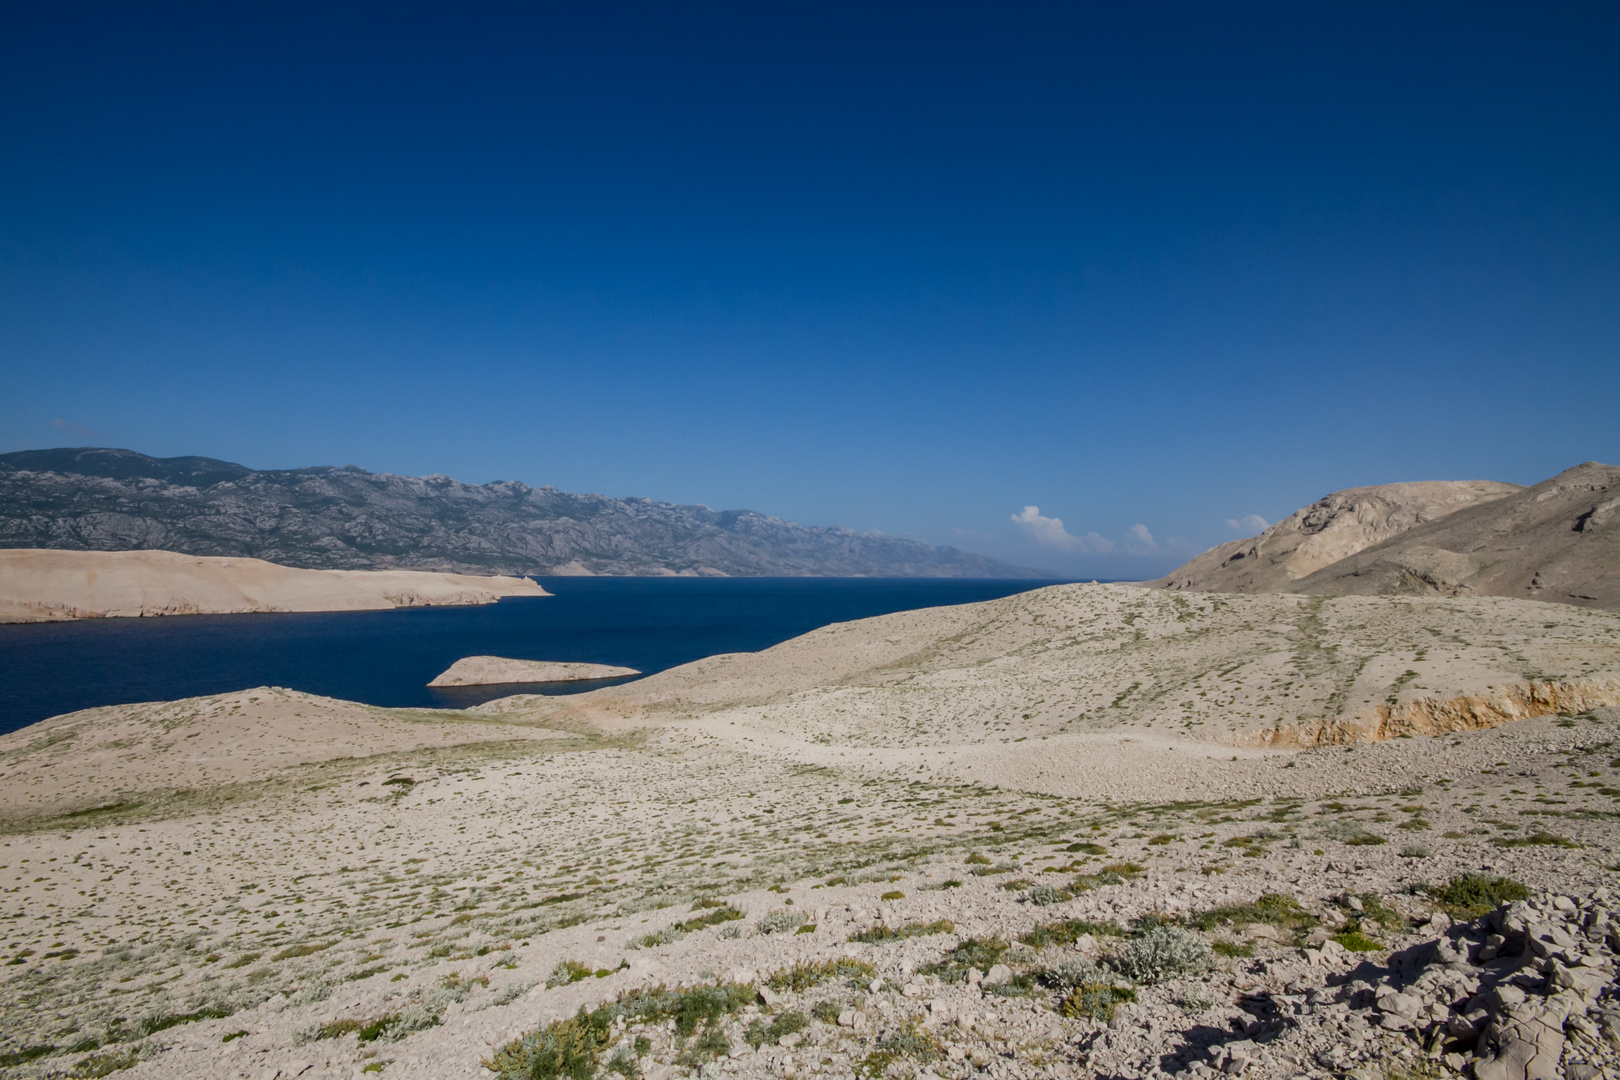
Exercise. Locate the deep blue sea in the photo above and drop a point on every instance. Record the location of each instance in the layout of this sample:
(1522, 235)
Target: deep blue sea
(387, 657)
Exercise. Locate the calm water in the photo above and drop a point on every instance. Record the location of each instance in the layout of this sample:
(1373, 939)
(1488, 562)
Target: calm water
(386, 657)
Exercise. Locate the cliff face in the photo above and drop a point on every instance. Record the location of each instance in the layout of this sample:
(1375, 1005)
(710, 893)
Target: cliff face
(1557, 541)
(333, 518)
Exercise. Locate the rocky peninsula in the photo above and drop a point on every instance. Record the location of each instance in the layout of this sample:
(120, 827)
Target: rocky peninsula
(43, 585)
(494, 670)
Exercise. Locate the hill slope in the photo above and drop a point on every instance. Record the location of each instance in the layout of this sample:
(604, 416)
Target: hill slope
(345, 518)
(1556, 541)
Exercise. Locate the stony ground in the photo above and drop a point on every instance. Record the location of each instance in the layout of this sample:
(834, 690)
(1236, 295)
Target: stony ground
(815, 908)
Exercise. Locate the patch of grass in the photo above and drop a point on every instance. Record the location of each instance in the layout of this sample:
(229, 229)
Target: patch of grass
(1274, 909)
(151, 1025)
(893, 894)
(1539, 838)
(1095, 1001)
(294, 951)
(572, 1047)
(910, 1041)
(1468, 896)
(1374, 908)
(244, 960)
(1068, 931)
(976, 859)
(778, 922)
(880, 935)
(1356, 941)
(105, 1064)
(1084, 847)
(24, 1054)
(1112, 874)
(972, 953)
(1233, 948)
(566, 972)
(826, 1011)
(722, 913)
(759, 1033)
(807, 973)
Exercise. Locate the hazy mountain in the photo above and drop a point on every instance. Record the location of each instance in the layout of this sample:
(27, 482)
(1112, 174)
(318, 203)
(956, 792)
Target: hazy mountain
(1557, 541)
(344, 517)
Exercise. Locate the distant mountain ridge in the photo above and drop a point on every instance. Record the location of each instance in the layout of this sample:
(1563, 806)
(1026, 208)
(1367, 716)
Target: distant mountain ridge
(1556, 541)
(346, 518)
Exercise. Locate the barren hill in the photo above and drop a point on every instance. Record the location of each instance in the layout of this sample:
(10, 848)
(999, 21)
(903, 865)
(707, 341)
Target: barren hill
(1017, 840)
(1556, 541)
(346, 518)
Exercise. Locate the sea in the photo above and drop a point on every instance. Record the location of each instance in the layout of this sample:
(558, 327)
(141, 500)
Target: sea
(388, 657)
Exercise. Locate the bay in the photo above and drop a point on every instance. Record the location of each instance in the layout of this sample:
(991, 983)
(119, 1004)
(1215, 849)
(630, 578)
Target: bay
(387, 657)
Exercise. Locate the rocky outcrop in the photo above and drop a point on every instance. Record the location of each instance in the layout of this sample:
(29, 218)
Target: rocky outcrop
(1492, 707)
(491, 670)
(45, 586)
(1507, 993)
(346, 518)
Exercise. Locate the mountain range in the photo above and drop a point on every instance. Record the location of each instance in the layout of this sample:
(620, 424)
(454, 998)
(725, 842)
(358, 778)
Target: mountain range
(346, 518)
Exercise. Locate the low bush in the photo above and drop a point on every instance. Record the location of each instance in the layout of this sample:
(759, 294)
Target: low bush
(1095, 1001)
(779, 922)
(567, 971)
(807, 973)
(1275, 909)
(972, 953)
(880, 935)
(1164, 952)
(1468, 896)
(572, 1047)
(1068, 931)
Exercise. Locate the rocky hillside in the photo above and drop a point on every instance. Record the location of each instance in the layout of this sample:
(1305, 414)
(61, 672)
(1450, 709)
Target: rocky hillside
(1557, 541)
(345, 518)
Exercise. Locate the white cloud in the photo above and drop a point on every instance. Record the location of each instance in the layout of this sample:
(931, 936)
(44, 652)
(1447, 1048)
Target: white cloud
(1252, 523)
(1143, 538)
(1051, 533)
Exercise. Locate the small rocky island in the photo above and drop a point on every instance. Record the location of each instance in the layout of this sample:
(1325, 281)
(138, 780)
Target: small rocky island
(490, 670)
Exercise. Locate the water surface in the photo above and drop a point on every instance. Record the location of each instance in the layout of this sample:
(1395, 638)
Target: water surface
(387, 657)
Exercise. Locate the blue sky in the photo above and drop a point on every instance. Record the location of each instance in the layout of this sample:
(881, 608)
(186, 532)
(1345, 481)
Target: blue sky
(1148, 268)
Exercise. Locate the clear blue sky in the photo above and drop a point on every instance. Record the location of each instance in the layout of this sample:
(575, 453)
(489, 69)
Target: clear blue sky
(1147, 267)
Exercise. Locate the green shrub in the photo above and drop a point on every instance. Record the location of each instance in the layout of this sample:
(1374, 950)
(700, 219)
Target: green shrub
(893, 894)
(826, 1011)
(1086, 848)
(1468, 896)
